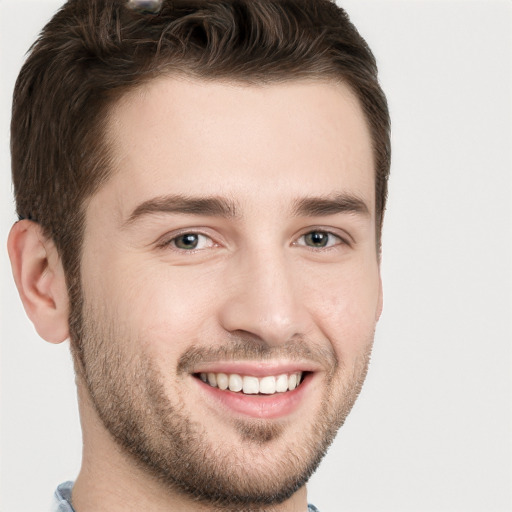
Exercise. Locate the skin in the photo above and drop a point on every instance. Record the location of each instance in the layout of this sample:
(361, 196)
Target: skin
(254, 292)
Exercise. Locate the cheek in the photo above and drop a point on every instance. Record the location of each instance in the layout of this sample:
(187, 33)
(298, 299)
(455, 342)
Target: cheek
(168, 311)
(346, 307)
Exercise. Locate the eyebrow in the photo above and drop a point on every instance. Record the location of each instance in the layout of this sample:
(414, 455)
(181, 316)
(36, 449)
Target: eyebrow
(211, 206)
(330, 205)
(222, 207)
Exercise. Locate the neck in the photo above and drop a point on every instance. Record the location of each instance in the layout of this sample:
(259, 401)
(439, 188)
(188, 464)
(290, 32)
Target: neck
(110, 480)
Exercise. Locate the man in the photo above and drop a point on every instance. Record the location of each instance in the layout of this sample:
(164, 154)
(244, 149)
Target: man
(201, 186)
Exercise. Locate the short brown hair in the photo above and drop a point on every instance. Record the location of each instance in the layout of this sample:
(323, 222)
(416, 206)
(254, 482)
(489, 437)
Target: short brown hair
(93, 51)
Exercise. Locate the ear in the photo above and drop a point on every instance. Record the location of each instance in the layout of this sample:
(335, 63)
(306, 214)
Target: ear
(39, 277)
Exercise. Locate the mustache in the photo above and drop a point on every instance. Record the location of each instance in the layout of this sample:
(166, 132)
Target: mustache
(250, 348)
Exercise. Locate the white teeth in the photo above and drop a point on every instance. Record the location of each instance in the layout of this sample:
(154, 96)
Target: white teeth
(292, 381)
(253, 385)
(212, 379)
(282, 383)
(268, 385)
(222, 381)
(235, 382)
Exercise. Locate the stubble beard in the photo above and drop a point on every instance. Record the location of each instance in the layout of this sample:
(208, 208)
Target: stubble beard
(162, 440)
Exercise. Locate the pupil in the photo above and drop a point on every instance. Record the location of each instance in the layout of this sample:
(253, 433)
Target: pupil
(188, 241)
(317, 238)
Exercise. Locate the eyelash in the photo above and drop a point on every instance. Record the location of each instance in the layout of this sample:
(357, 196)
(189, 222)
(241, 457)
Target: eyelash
(340, 240)
(171, 242)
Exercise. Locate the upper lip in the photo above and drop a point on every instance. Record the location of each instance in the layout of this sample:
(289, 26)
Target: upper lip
(257, 368)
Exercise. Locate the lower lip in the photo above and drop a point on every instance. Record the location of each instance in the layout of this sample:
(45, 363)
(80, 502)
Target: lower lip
(257, 406)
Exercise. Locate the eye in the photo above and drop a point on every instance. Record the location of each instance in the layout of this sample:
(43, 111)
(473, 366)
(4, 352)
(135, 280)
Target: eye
(191, 242)
(320, 239)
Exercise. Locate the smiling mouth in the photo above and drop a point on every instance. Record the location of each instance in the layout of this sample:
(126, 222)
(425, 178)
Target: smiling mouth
(249, 385)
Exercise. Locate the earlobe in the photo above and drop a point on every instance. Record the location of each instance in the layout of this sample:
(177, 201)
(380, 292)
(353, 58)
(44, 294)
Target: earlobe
(39, 277)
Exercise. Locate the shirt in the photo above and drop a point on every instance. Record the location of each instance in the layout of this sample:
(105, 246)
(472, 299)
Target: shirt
(62, 499)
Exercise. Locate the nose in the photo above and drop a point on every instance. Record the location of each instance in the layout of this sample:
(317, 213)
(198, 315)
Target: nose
(263, 298)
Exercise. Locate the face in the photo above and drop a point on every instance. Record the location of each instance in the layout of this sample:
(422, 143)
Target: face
(230, 282)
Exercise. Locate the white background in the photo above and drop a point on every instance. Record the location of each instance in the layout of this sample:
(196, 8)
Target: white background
(432, 428)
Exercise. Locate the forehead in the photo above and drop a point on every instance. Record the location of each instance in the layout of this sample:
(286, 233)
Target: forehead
(291, 139)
